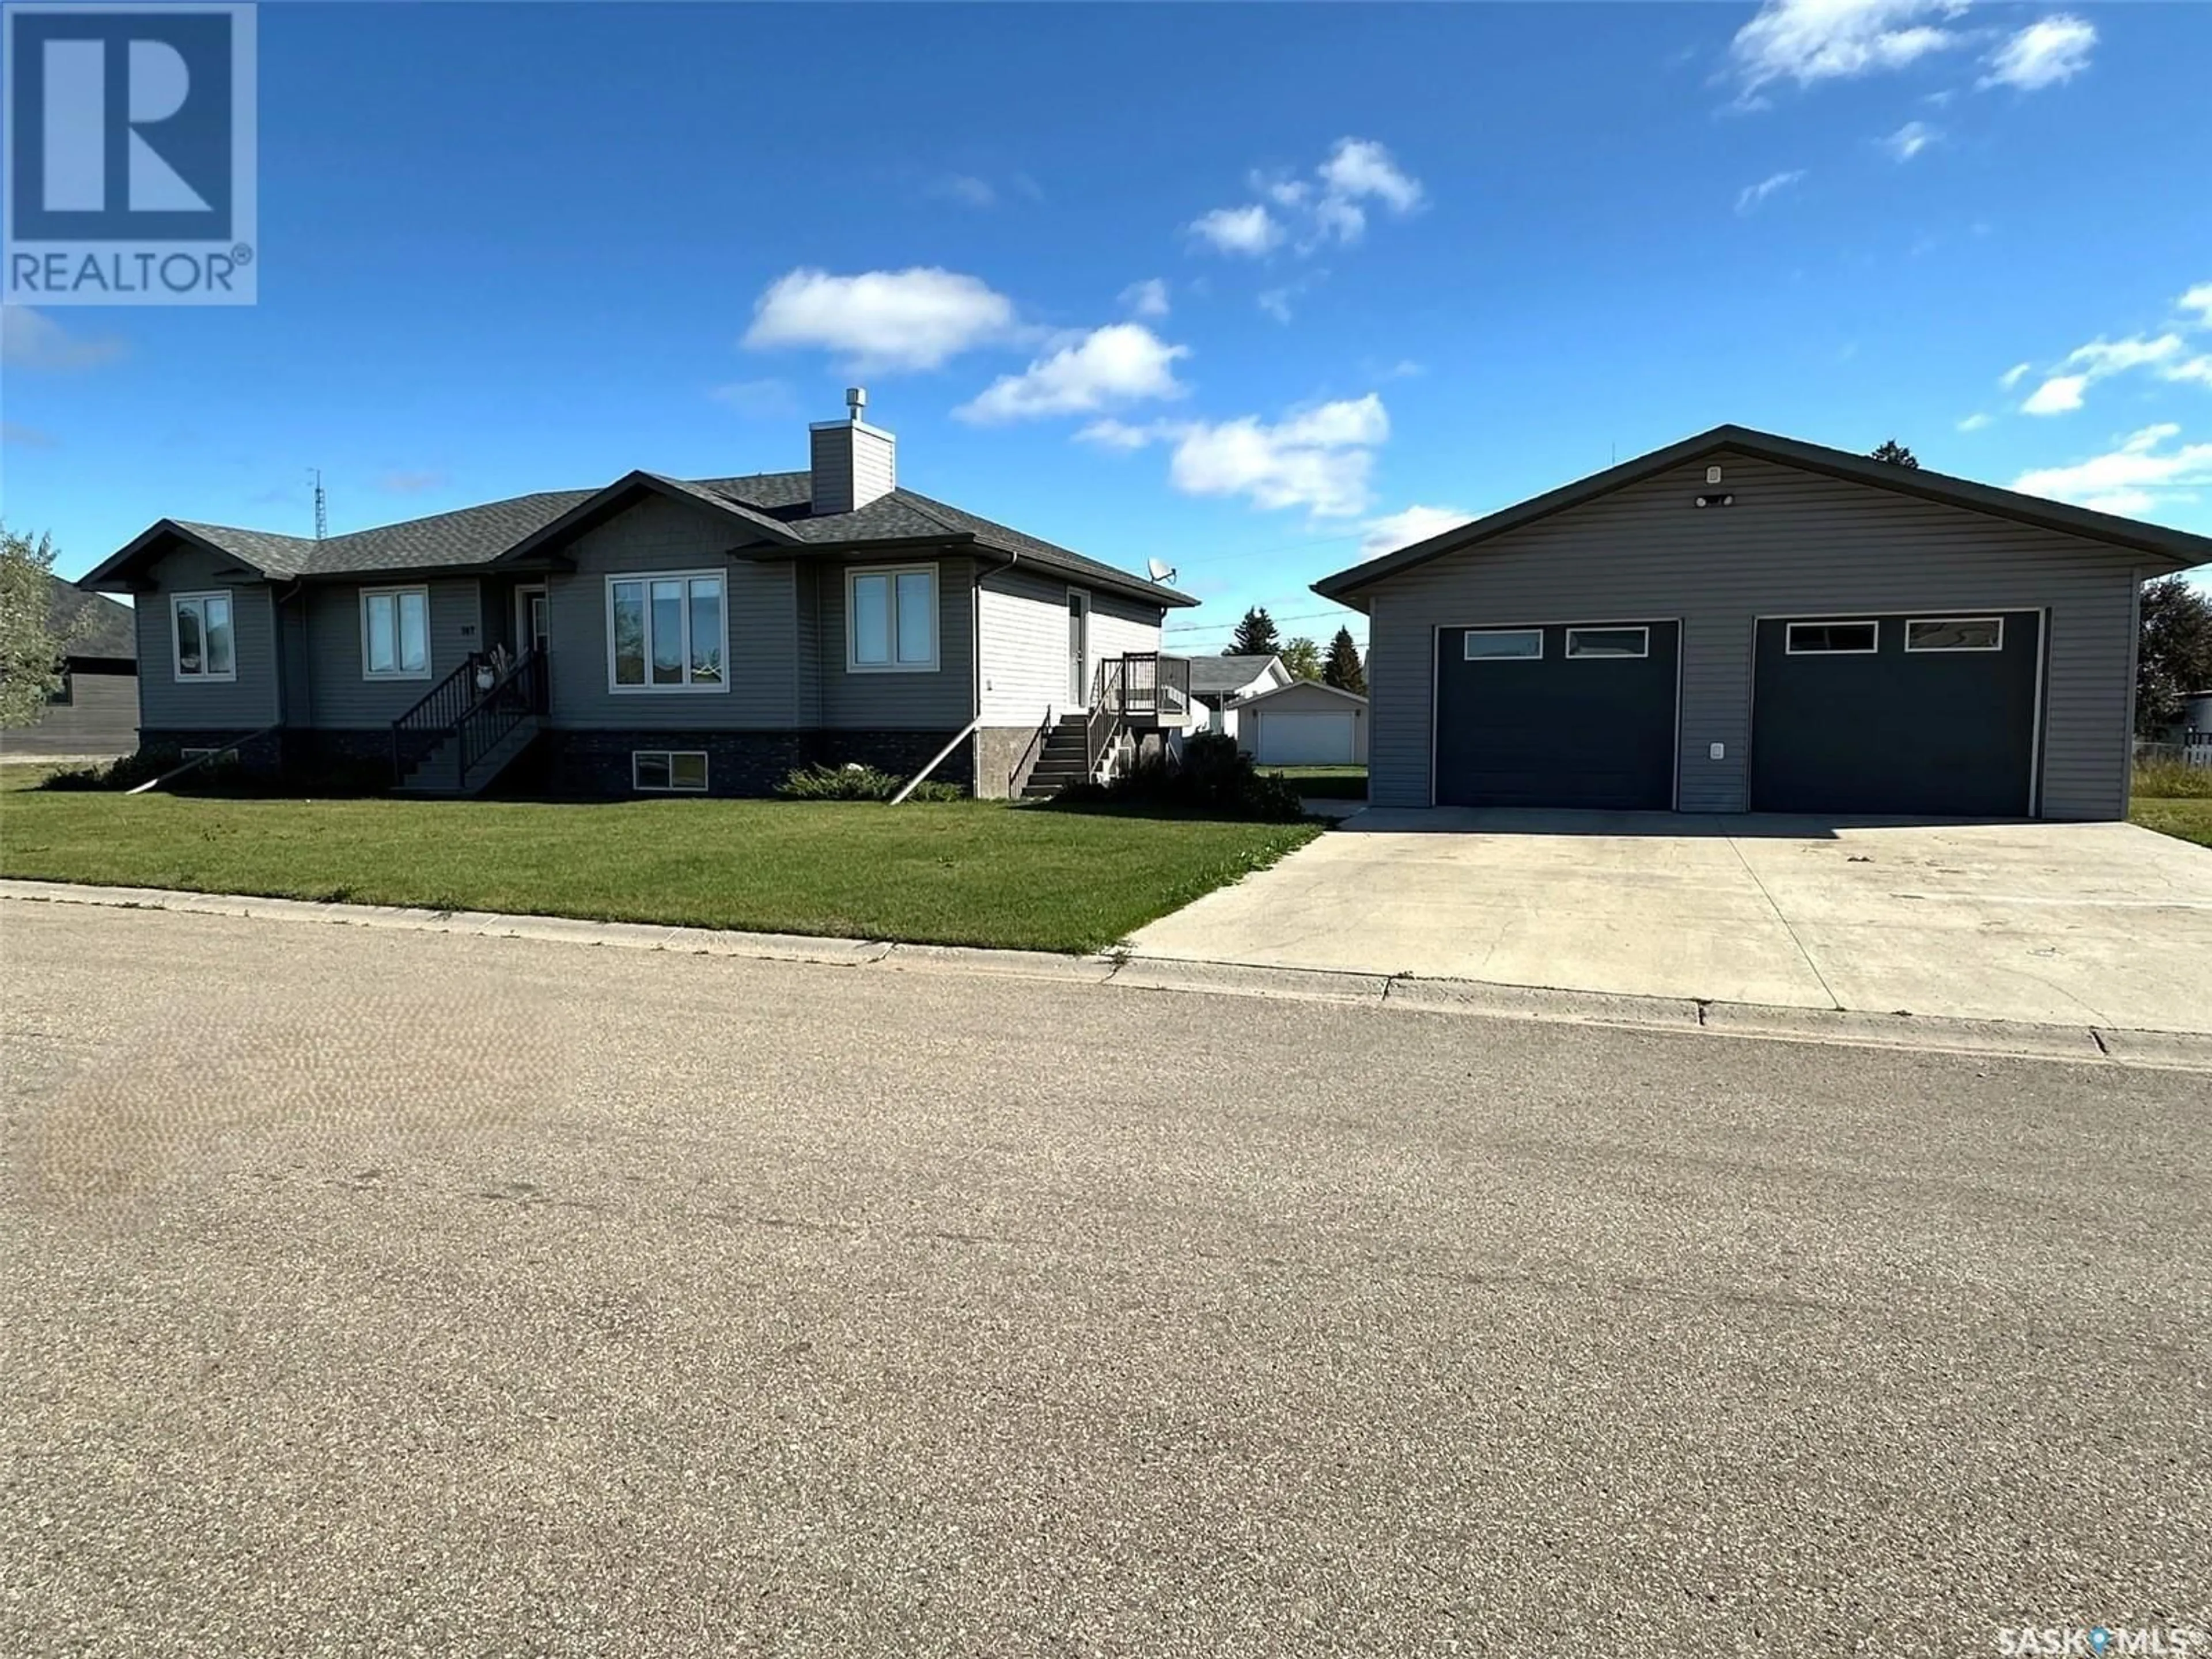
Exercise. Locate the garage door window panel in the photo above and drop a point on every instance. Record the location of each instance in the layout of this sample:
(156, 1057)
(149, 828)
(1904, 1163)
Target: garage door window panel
(1597, 642)
(1502, 644)
(1954, 634)
(1845, 639)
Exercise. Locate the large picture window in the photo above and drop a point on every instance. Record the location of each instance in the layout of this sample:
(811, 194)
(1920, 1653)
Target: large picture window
(667, 632)
(200, 631)
(890, 620)
(395, 634)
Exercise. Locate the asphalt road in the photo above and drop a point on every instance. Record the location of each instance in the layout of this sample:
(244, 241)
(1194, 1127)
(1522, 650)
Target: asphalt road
(398, 1293)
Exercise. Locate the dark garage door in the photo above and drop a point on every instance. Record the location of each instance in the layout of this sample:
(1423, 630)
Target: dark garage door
(1930, 715)
(1560, 715)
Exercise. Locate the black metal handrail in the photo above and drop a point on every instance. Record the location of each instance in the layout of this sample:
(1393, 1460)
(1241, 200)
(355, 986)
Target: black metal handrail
(510, 701)
(1105, 715)
(1028, 756)
(441, 707)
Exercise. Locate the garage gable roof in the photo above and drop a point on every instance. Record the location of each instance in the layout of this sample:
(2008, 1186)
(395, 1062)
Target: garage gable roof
(2176, 550)
(1298, 685)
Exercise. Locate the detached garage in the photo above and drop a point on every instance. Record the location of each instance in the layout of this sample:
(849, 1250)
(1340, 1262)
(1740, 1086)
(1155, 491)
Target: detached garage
(1742, 621)
(1303, 724)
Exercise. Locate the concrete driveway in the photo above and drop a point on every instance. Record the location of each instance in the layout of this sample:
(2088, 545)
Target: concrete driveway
(2106, 924)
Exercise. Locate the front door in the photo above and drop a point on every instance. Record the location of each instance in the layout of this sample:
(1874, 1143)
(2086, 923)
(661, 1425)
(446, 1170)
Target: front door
(1078, 648)
(530, 609)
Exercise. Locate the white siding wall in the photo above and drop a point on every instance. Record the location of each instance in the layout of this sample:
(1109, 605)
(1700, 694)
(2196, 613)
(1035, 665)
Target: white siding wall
(1024, 621)
(1794, 544)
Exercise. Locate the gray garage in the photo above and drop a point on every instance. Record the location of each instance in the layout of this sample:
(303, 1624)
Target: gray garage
(1742, 621)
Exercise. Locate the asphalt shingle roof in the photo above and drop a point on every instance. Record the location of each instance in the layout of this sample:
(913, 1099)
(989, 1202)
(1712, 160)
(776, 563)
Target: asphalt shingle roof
(479, 535)
(93, 624)
(1214, 676)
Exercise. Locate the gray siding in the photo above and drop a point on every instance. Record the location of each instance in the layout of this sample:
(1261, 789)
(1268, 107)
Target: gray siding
(942, 701)
(1024, 646)
(659, 534)
(337, 695)
(1794, 544)
(806, 662)
(168, 704)
(101, 717)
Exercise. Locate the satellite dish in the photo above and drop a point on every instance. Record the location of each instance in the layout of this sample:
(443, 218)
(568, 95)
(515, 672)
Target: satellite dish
(1160, 572)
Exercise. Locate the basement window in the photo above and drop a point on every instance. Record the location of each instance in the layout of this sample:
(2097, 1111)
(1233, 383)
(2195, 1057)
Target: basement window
(1502, 644)
(1833, 638)
(1954, 634)
(1608, 641)
(681, 771)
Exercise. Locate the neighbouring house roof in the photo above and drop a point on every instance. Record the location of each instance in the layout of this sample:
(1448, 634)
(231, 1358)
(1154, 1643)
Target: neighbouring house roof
(2177, 550)
(1221, 677)
(94, 625)
(765, 507)
(1300, 685)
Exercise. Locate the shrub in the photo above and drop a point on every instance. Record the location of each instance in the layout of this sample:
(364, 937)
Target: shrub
(127, 773)
(1212, 778)
(854, 781)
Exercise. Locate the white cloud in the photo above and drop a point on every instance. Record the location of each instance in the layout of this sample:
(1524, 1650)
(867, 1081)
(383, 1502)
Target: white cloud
(2137, 473)
(2012, 376)
(1250, 230)
(1276, 302)
(1751, 196)
(31, 339)
(2196, 369)
(1147, 299)
(1359, 170)
(1807, 41)
(1909, 140)
(2046, 53)
(1415, 524)
(1121, 363)
(1321, 458)
(2198, 300)
(882, 319)
(1329, 207)
(2059, 395)
(2101, 357)
(1974, 422)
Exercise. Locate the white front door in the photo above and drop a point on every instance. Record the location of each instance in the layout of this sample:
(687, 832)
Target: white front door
(530, 618)
(1078, 648)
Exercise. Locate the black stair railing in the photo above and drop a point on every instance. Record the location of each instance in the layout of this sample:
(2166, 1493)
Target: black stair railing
(510, 701)
(418, 731)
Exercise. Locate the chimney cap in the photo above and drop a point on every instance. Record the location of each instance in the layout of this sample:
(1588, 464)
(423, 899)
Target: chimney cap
(856, 399)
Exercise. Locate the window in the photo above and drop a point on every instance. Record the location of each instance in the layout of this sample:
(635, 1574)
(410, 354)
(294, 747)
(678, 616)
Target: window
(676, 769)
(1608, 641)
(1497, 644)
(666, 633)
(890, 620)
(65, 693)
(395, 633)
(1955, 634)
(199, 627)
(1840, 637)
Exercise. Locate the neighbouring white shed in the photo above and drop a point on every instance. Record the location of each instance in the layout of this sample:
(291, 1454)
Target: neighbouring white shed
(1303, 724)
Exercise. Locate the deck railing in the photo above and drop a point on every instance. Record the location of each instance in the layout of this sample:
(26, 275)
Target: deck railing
(510, 701)
(1147, 688)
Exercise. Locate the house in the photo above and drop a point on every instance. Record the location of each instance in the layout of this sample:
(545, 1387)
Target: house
(659, 634)
(95, 711)
(1745, 621)
(1303, 723)
(1216, 682)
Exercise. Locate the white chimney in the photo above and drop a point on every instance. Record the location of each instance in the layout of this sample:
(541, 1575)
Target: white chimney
(853, 463)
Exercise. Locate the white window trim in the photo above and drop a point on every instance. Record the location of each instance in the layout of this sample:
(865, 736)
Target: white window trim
(671, 787)
(176, 639)
(853, 663)
(689, 688)
(1790, 636)
(1911, 622)
(1466, 655)
(428, 653)
(1643, 634)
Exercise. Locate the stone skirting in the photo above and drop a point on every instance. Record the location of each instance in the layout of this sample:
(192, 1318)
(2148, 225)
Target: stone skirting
(742, 763)
(262, 755)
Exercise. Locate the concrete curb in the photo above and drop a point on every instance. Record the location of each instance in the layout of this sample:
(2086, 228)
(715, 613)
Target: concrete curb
(2162, 1050)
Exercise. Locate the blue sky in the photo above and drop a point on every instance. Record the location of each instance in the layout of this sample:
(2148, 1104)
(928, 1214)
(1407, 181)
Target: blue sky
(1251, 289)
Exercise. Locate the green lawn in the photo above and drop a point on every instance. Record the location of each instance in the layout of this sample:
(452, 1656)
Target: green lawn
(2190, 818)
(974, 873)
(1325, 782)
